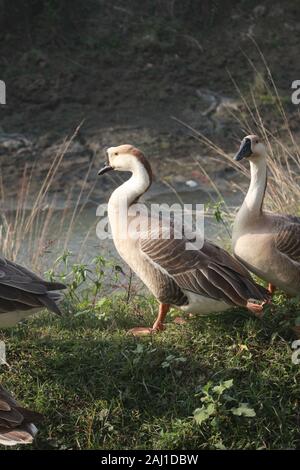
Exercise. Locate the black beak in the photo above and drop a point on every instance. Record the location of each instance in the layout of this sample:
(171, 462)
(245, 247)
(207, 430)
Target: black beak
(107, 166)
(105, 169)
(244, 151)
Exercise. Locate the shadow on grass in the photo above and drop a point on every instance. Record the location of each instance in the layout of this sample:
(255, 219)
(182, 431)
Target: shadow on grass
(100, 388)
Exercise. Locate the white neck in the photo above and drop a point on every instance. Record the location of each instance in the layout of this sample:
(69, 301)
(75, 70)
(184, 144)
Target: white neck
(125, 195)
(255, 195)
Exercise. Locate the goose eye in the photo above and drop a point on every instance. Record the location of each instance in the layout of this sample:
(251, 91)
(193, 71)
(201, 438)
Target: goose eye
(116, 153)
(256, 141)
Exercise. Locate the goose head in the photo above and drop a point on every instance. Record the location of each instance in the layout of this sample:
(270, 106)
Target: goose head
(251, 148)
(125, 158)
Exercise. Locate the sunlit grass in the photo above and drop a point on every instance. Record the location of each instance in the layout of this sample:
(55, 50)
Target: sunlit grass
(100, 388)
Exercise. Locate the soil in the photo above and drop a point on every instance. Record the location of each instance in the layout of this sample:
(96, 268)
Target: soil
(124, 71)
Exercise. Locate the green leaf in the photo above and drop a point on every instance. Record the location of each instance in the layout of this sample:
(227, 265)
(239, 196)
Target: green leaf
(219, 389)
(206, 388)
(81, 312)
(170, 357)
(101, 302)
(165, 365)
(139, 349)
(219, 445)
(243, 410)
(181, 359)
(202, 414)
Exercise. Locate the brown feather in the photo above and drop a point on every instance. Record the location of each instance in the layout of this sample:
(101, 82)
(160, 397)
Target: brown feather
(21, 289)
(210, 271)
(15, 421)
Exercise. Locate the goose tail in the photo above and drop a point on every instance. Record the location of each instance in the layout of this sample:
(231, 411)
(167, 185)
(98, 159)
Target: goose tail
(51, 301)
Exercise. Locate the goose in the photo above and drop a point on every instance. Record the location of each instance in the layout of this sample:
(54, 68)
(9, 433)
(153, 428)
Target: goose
(22, 293)
(267, 244)
(16, 422)
(199, 281)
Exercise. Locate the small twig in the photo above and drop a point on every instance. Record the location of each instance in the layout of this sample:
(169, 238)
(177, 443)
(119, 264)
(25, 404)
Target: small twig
(129, 286)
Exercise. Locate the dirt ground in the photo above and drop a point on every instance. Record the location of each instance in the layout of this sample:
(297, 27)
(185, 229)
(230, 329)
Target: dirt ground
(125, 70)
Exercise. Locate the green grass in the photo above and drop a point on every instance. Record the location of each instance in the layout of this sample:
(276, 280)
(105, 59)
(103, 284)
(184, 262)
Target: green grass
(99, 388)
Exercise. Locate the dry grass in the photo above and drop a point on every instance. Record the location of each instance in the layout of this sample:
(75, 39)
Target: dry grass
(283, 193)
(27, 234)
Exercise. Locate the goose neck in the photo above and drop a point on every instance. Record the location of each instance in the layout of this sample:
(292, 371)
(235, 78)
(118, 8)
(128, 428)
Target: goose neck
(255, 196)
(127, 194)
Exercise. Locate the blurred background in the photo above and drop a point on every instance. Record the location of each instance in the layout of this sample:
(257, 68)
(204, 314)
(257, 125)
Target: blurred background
(163, 75)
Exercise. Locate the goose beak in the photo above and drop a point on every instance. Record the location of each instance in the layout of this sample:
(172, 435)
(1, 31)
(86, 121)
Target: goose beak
(244, 151)
(105, 169)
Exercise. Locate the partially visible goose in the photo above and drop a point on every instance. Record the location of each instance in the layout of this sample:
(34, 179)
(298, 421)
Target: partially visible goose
(197, 281)
(22, 293)
(267, 244)
(16, 422)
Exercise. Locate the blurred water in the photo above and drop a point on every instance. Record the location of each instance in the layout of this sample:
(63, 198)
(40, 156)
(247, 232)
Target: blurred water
(84, 243)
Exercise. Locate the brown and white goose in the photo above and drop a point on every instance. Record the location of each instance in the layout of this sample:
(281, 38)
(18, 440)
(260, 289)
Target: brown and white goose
(267, 244)
(196, 281)
(22, 293)
(16, 422)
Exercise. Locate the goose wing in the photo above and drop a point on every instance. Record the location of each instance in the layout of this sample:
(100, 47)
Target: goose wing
(21, 289)
(15, 275)
(209, 272)
(292, 218)
(287, 240)
(16, 422)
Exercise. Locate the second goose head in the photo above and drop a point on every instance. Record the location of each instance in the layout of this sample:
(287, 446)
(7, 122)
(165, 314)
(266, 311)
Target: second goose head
(251, 148)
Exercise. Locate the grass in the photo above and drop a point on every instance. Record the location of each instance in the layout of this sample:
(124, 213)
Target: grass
(100, 388)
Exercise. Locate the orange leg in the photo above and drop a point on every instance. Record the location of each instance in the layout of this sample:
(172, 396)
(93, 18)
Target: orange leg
(271, 288)
(256, 309)
(157, 326)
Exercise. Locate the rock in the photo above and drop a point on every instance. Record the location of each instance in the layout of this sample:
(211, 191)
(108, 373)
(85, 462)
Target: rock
(225, 105)
(259, 10)
(191, 183)
(10, 143)
(75, 148)
(216, 103)
(292, 27)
